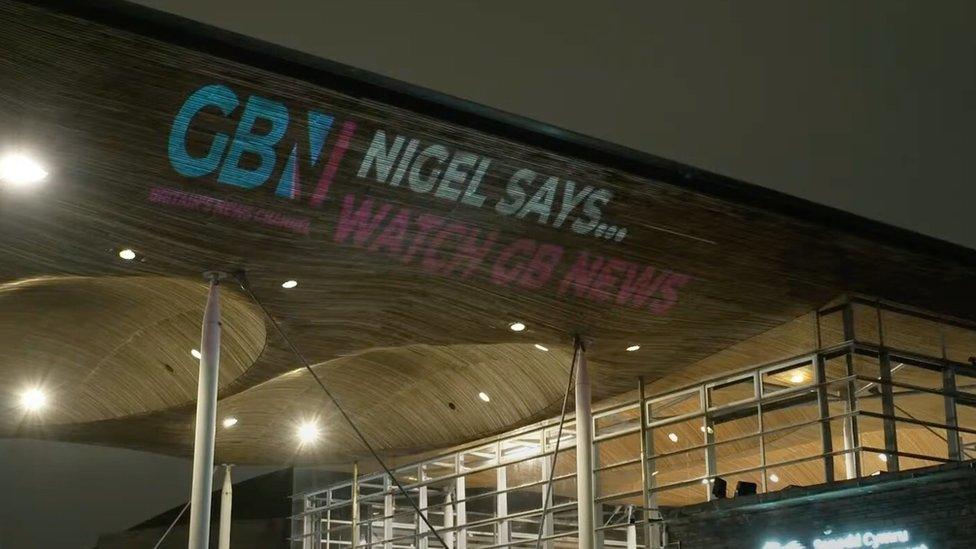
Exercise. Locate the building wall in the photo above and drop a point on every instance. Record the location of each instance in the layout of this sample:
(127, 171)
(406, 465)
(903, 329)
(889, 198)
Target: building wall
(937, 507)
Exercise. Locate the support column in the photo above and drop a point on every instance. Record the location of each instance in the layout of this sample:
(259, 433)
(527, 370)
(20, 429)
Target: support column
(584, 451)
(547, 462)
(502, 534)
(852, 461)
(952, 419)
(226, 502)
(206, 419)
(888, 409)
(388, 511)
(849, 432)
(632, 517)
(354, 496)
(423, 540)
(651, 518)
(449, 520)
(462, 508)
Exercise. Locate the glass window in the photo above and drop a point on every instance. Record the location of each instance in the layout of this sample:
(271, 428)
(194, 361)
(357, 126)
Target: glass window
(910, 333)
(674, 405)
(728, 392)
(607, 423)
(788, 377)
(803, 473)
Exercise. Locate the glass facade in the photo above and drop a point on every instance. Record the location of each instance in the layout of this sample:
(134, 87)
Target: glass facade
(886, 389)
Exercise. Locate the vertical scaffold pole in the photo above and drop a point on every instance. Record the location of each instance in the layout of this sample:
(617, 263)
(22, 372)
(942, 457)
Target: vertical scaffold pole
(206, 419)
(584, 451)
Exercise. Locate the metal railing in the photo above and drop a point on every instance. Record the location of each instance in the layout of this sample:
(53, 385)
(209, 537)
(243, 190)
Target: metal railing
(846, 409)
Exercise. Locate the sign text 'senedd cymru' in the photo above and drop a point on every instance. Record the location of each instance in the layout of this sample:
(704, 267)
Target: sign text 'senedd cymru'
(888, 539)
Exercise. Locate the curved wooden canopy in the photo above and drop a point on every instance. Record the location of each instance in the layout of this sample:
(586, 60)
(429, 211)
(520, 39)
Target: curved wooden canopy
(405, 291)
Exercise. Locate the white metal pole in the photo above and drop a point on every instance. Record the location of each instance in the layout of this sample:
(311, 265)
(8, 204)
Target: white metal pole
(206, 419)
(850, 465)
(449, 520)
(631, 536)
(226, 502)
(584, 449)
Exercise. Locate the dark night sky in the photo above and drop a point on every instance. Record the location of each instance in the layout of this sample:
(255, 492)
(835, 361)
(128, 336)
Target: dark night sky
(867, 106)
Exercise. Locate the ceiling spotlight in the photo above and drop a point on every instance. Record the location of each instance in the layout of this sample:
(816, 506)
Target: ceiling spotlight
(229, 421)
(127, 254)
(774, 477)
(195, 353)
(483, 396)
(633, 348)
(33, 400)
(673, 437)
(20, 169)
(516, 326)
(308, 432)
(541, 347)
(798, 377)
(883, 457)
(289, 284)
(708, 430)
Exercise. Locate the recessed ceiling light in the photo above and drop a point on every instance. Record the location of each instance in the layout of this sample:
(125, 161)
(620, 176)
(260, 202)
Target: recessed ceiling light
(673, 437)
(774, 477)
(196, 354)
(633, 348)
(483, 396)
(708, 430)
(706, 480)
(541, 347)
(127, 254)
(229, 421)
(33, 400)
(883, 457)
(20, 169)
(289, 284)
(798, 377)
(516, 326)
(308, 432)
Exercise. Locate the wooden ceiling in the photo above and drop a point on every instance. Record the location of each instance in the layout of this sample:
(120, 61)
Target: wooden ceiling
(398, 334)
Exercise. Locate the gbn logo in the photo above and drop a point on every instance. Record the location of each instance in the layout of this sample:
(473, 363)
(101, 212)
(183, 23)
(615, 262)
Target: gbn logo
(229, 153)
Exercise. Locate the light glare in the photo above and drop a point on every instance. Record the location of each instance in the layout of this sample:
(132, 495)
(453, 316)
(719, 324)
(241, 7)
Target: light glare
(229, 422)
(33, 400)
(797, 378)
(20, 169)
(308, 432)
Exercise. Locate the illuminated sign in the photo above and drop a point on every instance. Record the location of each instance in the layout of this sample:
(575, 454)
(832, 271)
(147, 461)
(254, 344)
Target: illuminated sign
(256, 151)
(890, 539)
